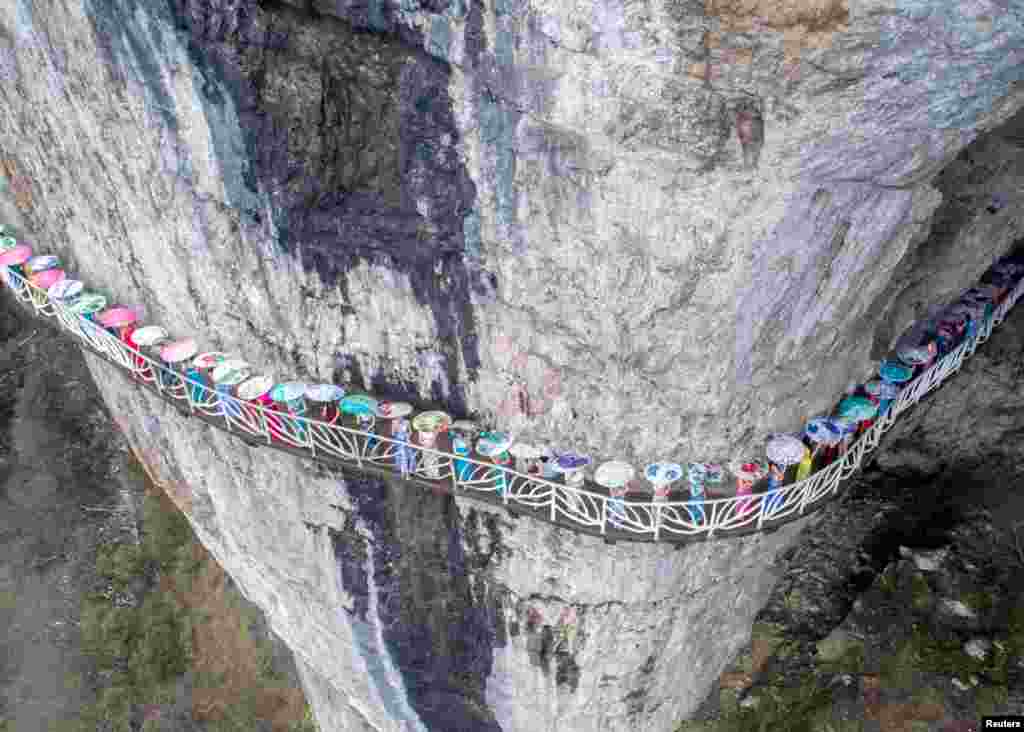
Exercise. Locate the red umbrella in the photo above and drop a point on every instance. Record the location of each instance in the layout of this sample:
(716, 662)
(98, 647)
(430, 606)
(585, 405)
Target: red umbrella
(116, 317)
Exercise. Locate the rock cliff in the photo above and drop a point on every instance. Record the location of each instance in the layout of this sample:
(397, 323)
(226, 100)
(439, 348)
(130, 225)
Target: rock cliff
(644, 229)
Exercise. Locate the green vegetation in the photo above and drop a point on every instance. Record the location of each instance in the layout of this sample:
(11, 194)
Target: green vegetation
(141, 649)
(800, 708)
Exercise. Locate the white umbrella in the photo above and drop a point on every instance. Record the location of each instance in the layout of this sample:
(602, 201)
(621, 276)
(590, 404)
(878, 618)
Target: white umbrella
(614, 474)
(785, 450)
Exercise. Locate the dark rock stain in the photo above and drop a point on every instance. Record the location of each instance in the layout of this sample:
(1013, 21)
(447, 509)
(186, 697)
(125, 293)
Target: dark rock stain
(348, 134)
(439, 621)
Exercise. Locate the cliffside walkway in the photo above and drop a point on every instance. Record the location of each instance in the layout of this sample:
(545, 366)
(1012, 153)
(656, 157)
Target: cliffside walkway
(589, 510)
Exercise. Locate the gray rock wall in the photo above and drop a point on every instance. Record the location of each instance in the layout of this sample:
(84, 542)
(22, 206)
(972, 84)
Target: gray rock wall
(540, 212)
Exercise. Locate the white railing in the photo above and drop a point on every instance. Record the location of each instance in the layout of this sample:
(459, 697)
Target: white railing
(548, 500)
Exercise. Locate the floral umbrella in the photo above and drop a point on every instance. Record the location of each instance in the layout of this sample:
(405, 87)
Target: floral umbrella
(821, 431)
(857, 408)
(752, 471)
(116, 317)
(88, 303)
(229, 373)
(614, 474)
(663, 473)
(288, 392)
(324, 393)
(393, 410)
(433, 421)
(47, 278)
(569, 462)
(254, 387)
(179, 350)
(150, 335)
(18, 254)
(65, 289)
(895, 373)
(41, 263)
(357, 404)
(882, 389)
(209, 360)
(785, 450)
(493, 443)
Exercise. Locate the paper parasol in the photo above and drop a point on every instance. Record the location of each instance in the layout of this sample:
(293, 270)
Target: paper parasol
(47, 278)
(358, 404)
(289, 391)
(230, 373)
(254, 387)
(493, 443)
(149, 336)
(882, 389)
(16, 255)
(614, 474)
(569, 461)
(65, 289)
(116, 317)
(431, 422)
(41, 263)
(209, 360)
(393, 410)
(88, 303)
(857, 408)
(178, 351)
(324, 393)
(823, 432)
(785, 450)
(661, 473)
(895, 373)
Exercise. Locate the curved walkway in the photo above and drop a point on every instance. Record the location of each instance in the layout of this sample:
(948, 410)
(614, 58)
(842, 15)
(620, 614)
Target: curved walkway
(589, 510)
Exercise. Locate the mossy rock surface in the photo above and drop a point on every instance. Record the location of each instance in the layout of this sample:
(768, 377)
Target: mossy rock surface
(838, 645)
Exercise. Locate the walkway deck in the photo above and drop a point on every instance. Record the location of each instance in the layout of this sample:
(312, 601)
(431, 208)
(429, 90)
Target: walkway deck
(589, 510)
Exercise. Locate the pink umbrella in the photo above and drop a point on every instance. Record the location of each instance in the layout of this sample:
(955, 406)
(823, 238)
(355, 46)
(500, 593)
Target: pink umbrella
(18, 255)
(179, 350)
(116, 317)
(48, 277)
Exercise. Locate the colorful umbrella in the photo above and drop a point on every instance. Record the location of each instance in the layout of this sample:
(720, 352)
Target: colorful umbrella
(18, 254)
(358, 404)
(493, 443)
(47, 278)
(857, 408)
(116, 317)
(662, 473)
(41, 263)
(230, 373)
(569, 461)
(918, 355)
(821, 431)
(614, 474)
(88, 303)
(178, 351)
(785, 450)
(150, 335)
(65, 289)
(752, 471)
(324, 393)
(7, 242)
(844, 425)
(882, 389)
(209, 360)
(289, 392)
(895, 373)
(393, 410)
(431, 422)
(255, 387)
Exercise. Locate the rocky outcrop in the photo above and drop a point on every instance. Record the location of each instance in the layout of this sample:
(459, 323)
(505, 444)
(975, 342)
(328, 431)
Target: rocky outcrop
(643, 230)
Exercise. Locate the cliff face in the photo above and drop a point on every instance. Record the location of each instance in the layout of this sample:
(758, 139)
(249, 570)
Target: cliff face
(540, 212)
